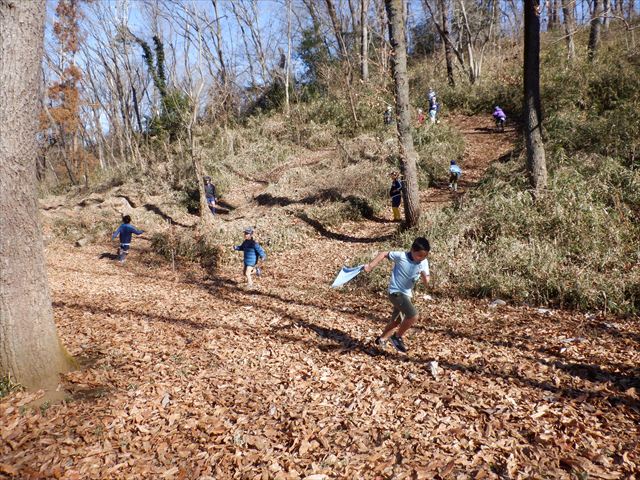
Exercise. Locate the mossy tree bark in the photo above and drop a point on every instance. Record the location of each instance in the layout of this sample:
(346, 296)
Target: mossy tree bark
(536, 163)
(30, 350)
(408, 155)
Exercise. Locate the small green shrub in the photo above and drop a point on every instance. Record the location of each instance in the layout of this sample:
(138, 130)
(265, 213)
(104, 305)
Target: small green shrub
(8, 385)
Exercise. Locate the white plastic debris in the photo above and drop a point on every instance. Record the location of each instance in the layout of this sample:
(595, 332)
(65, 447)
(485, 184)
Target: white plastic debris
(573, 339)
(428, 298)
(433, 368)
(497, 303)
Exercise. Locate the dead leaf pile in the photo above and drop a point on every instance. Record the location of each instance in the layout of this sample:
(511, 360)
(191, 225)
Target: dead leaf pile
(188, 376)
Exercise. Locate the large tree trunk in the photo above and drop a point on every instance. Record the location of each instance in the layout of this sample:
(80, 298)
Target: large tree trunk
(29, 347)
(594, 33)
(408, 154)
(569, 27)
(536, 163)
(364, 40)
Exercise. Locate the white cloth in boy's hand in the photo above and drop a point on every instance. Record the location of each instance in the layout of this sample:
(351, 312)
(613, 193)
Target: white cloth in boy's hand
(346, 274)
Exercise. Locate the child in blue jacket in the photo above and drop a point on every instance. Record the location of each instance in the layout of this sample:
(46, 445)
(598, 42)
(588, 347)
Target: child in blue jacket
(125, 230)
(252, 253)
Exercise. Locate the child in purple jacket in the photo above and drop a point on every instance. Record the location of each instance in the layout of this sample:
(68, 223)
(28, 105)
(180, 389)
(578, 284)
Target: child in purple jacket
(500, 118)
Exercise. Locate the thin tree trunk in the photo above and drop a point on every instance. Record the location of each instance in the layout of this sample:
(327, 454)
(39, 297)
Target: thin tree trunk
(136, 108)
(606, 12)
(569, 27)
(446, 41)
(364, 40)
(218, 32)
(287, 70)
(536, 163)
(30, 351)
(594, 33)
(337, 29)
(408, 154)
(554, 18)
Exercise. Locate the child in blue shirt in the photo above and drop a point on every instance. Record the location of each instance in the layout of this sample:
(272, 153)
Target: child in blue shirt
(408, 267)
(252, 253)
(455, 172)
(434, 107)
(125, 230)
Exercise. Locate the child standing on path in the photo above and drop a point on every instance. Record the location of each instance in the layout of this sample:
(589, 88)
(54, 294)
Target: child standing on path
(395, 192)
(434, 107)
(407, 268)
(388, 115)
(455, 172)
(210, 194)
(252, 252)
(125, 230)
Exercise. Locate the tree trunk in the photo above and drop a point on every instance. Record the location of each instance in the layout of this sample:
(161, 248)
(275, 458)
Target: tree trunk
(569, 27)
(218, 33)
(594, 34)
(337, 29)
(606, 12)
(364, 41)
(408, 154)
(554, 18)
(446, 41)
(30, 351)
(536, 163)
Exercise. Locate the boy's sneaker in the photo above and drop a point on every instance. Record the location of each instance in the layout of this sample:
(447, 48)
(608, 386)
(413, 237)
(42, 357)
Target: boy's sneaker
(398, 343)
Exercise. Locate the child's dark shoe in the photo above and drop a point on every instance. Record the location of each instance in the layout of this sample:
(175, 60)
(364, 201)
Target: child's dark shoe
(398, 343)
(380, 342)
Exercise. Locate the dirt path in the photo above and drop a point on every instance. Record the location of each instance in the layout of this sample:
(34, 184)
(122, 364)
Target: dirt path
(193, 377)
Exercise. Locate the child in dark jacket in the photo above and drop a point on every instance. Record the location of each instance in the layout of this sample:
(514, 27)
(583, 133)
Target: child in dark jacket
(210, 194)
(125, 231)
(395, 193)
(252, 253)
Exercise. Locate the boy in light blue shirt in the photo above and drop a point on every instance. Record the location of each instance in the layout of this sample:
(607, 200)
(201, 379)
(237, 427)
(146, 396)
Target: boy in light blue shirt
(408, 267)
(455, 172)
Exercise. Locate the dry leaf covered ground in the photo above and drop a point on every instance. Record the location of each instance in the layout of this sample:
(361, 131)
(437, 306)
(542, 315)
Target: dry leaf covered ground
(191, 376)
